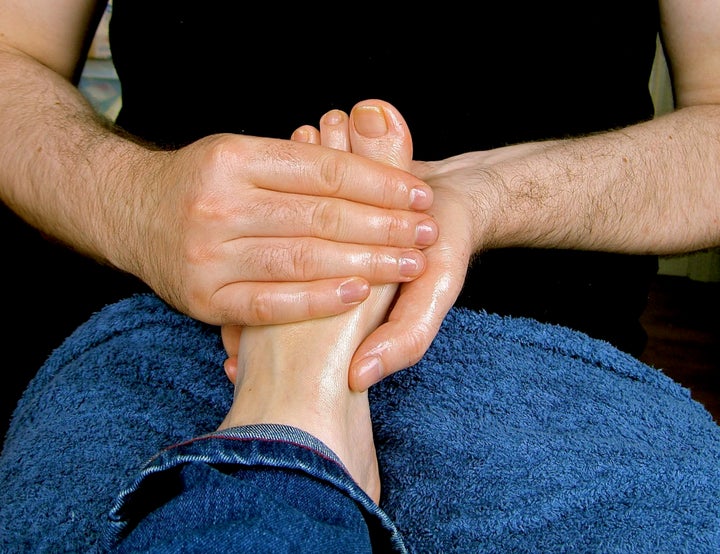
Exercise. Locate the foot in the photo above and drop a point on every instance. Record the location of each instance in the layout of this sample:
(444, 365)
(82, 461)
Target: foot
(297, 374)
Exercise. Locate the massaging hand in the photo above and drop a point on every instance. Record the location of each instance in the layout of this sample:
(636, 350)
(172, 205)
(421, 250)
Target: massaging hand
(468, 199)
(230, 229)
(421, 305)
(248, 231)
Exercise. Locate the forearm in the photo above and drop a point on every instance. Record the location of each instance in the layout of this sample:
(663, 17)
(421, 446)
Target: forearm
(649, 188)
(61, 165)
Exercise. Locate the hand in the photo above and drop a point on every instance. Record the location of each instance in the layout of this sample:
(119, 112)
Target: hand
(250, 231)
(422, 304)
(469, 198)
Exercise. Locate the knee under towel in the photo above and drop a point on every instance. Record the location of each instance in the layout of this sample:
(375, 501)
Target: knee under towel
(508, 436)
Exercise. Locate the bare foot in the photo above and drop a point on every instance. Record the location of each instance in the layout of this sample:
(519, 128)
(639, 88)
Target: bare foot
(297, 374)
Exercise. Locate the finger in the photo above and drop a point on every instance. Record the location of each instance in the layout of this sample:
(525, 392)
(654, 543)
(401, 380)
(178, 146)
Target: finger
(331, 173)
(260, 303)
(288, 215)
(307, 259)
(398, 343)
(411, 327)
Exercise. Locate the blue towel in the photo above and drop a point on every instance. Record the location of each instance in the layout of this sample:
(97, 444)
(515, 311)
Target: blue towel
(508, 436)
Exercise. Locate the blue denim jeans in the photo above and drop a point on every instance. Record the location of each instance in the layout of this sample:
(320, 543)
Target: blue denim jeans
(259, 488)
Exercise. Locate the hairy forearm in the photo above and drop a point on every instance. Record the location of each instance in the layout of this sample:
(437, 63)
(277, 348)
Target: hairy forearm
(649, 188)
(62, 167)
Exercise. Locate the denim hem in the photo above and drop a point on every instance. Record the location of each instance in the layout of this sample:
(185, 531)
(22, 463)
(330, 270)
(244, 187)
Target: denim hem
(260, 445)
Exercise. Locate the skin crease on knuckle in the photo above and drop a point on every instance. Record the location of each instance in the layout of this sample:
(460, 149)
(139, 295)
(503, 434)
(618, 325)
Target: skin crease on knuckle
(264, 307)
(396, 228)
(329, 216)
(260, 306)
(373, 183)
(301, 260)
(286, 215)
(377, 227)
(295, 260)
(334, 172)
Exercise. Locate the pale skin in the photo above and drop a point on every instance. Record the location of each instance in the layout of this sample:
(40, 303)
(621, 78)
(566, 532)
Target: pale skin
(297, 373)
(648, 188)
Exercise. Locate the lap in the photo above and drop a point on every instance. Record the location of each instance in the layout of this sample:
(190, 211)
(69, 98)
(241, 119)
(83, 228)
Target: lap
(508, 433)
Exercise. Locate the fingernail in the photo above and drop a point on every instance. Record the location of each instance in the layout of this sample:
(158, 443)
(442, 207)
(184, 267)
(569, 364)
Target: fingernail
(370, 121)
(353, 291)
(426, 233)
(412, 264)
(368, 372)
(420, 198)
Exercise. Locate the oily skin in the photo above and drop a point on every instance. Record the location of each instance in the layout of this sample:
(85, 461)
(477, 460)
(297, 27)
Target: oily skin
(193, 223)
(297, 374)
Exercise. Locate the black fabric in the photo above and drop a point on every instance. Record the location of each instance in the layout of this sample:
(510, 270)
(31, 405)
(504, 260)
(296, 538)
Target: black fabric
(516, 71)
(512, 71)
(49, 290)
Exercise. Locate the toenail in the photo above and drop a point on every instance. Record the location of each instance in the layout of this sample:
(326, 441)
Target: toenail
(370, 121)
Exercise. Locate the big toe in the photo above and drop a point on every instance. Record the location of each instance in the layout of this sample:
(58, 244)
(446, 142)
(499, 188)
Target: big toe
(379, 132)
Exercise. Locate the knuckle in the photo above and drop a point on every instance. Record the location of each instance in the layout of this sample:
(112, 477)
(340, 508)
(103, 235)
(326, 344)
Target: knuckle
(207, 183)
(282, 152)
(388, 190)
(218, 153)
(304, 307)
(301, 262)
(260, 308)
(327, 220)
(333, 172)
(281, 211)
(417, 344)
(295, 261)
(397, 231)
(270, 262)
(380, 260)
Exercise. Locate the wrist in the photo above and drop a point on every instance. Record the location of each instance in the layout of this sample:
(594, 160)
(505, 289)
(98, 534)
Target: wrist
(128, 187)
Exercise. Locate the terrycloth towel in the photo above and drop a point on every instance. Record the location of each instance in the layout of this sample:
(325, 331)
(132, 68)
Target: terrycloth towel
(509, 436)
